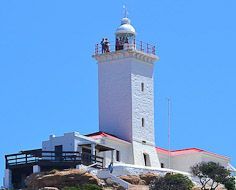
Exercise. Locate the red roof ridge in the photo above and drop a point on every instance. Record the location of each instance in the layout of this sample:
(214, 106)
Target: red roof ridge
(103, 134)
(187, 150)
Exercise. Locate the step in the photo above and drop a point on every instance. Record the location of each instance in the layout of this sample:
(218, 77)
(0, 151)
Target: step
(138, 187)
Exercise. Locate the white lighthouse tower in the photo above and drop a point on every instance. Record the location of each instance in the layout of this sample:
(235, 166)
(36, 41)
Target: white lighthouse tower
(126, 92)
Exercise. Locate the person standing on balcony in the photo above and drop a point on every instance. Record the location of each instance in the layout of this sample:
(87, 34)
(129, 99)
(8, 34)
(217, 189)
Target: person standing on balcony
(106, 45)
(103, 45)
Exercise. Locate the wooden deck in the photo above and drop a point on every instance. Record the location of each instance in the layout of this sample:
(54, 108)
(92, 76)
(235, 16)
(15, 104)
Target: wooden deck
(51, 158)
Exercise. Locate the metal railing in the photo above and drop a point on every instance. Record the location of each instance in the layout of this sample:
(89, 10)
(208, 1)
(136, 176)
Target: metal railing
(135, 45)
(48, 157)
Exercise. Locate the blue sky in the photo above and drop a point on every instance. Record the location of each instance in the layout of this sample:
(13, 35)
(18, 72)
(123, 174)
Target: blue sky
(48, 79)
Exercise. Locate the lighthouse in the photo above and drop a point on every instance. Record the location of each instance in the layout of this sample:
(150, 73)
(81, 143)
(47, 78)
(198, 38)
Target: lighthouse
(126, 92)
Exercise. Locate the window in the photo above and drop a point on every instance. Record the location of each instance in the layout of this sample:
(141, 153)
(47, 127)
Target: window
(145, 159)
(143, 122)
(142, 86)
(162, 165)
(117, 156)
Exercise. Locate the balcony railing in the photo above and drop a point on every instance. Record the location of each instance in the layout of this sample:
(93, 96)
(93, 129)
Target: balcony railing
(135, 45)
(40, 157)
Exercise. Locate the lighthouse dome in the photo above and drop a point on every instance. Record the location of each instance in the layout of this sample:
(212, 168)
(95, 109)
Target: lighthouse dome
(125, 27)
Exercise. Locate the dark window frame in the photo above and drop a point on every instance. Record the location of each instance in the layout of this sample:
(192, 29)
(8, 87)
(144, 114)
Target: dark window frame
(117, 155)
(142, 87)
(143, 122)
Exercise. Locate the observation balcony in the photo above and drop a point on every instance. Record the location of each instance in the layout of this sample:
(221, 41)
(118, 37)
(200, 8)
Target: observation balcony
(112, 47)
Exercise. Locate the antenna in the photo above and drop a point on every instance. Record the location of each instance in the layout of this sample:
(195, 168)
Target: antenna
(125, 11)
(169, 131)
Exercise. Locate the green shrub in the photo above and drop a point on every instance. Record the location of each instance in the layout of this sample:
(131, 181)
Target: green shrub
(172, 182)
(230, 183)
(214, 171)
(84, 187)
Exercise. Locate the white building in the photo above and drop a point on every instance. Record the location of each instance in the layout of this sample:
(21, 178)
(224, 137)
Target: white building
(126, 119)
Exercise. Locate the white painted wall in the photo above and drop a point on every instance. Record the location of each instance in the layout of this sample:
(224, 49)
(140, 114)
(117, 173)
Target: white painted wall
(142, 102)
(163, 158)
(8, 179)
(67, 140)
(123, 104)
(70, 142)
(184, 162)
(139, 149)
(214, 158)
(115, 104)
(36, 169)
(125, 148)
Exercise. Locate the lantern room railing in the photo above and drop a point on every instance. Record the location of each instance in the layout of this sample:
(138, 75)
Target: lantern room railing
(135, 45)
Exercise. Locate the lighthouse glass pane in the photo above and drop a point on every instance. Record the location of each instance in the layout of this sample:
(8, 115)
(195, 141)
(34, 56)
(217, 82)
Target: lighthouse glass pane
(125, 40)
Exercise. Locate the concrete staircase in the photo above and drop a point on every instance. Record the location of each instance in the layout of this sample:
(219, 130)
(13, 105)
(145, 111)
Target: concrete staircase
(104, 174)
(138, 187)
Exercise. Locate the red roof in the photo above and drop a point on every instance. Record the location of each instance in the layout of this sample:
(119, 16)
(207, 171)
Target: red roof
(100, 134)
(187, 151)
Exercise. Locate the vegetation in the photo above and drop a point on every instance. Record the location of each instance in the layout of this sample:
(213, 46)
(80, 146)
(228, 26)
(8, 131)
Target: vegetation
(230, 183)
(84, 187)
(172, 182)
(213, 174)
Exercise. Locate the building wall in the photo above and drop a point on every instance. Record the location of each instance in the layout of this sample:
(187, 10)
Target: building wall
(123, 104)
(163, 158)
(125, 149)
(214, 158)
(70, 142)
(142, 102)
(143, 133)
(115, 111)
(140, 149)
(184, 162)
(67, 141)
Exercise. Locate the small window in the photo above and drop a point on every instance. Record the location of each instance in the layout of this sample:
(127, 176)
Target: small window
(117, 156)
(146, 159)
(143, 122)
(162, 165)
(142, 86)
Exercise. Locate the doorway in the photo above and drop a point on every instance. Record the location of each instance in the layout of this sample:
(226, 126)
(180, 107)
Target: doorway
(58, 152)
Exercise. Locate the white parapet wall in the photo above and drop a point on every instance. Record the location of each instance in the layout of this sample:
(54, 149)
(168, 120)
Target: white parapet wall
(128, 169)
(105, 174)
(8, 179)
(36, 169)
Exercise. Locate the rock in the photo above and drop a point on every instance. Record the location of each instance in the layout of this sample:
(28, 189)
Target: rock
(120, 188)
(60, 179)
(49, 188)
(133, 179)
(148, 177)
(110, 182)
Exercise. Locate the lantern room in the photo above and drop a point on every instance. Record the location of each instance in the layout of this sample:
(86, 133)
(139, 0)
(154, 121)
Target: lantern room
(125, 35)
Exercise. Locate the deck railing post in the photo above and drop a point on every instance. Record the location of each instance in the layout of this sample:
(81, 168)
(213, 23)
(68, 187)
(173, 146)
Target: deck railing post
(96, 49)
(6, 162)
(153, 50)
